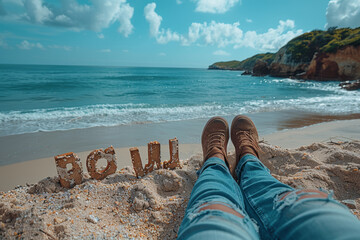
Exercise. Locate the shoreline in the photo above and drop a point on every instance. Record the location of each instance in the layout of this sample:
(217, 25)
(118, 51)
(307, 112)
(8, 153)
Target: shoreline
(32, 146)
(32, 171)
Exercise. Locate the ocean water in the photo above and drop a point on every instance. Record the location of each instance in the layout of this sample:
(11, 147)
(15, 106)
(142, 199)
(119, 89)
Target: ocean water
(37, 98)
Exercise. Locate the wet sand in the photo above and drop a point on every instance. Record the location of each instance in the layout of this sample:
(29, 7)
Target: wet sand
(32, 146)
(310, 119)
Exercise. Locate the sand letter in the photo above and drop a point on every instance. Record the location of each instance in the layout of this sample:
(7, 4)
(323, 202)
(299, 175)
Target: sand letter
(174, 155)
(153, 157)
(73, 176)
(94, 156)
(136, 161)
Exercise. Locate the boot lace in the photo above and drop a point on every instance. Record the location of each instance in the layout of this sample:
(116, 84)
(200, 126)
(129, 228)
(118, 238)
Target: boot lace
(216, 142)
(246, 138)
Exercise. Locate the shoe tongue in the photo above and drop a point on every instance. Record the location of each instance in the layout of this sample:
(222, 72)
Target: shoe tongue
(213, 151)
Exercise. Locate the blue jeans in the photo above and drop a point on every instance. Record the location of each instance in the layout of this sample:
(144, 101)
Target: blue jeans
(270, 209)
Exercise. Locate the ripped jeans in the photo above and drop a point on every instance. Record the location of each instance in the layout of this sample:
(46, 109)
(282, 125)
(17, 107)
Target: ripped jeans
(260, 206)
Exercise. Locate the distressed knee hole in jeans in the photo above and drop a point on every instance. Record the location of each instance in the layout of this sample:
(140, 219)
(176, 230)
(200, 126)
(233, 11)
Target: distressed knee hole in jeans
(219, 207)
(216, 206)
(292, 198)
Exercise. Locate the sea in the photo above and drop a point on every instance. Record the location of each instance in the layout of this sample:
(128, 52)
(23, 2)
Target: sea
(44, 98)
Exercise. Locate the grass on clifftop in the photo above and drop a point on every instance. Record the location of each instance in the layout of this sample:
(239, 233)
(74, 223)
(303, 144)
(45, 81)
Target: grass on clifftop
(302, 48)
(227, 65)
(246, 64)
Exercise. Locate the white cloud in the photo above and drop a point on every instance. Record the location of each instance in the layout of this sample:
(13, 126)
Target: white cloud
(220, 34)
(343, 13)
(25, 45)
(93, 15)
(162, 36)
(162, 54)
(249, 20)
(36, 11)
(178, 1)
(125, 51)
(221, 53)
(66, 48)
(273, 39)
(215, 6)
(101, 36)
(153, 18)
(105, 50)
(125, 14)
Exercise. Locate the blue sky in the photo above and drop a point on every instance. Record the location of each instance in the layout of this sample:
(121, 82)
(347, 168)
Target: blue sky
(166, 33)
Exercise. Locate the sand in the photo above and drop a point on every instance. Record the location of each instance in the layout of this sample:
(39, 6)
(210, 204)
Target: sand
(38, 145)
(122, 206)
(33, 171)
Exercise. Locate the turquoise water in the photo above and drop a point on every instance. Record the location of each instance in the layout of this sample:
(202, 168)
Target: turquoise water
(37, 98)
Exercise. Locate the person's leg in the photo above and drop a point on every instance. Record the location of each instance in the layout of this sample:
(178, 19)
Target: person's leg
(216, 209)
(281, 211)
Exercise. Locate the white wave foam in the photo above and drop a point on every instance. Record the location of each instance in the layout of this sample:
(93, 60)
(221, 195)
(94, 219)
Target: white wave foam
(16, 122)
(331, 87)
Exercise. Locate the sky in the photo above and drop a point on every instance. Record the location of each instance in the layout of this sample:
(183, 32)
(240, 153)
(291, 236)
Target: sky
(162, 33)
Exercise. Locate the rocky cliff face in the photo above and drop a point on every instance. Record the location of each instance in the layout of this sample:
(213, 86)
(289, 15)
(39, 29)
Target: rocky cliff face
(319, 55)
(284, 66)
(342, 65)
(261, 68)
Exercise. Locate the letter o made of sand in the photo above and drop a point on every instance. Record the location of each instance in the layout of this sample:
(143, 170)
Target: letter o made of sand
(94, 156)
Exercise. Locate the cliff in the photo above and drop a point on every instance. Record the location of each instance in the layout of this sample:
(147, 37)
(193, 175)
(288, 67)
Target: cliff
(320, 55)
(317, 55)
(245, 65)
(231, 65)
(342, 65)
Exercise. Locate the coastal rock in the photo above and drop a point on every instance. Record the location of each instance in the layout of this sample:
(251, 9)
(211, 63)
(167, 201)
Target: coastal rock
(246, 72)
(284, 65)
(350, 85)
(214, 67)
(344, 64)
(261, 68)
(317, 55)
(245, 65)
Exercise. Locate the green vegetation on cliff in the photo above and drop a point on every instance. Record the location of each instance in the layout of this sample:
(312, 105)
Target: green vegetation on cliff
(230, 65)
(296, 55)
(247, 64)
(302, 48)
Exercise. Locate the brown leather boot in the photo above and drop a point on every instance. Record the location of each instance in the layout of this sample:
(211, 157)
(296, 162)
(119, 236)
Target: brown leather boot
(214, 139)
(244, 137)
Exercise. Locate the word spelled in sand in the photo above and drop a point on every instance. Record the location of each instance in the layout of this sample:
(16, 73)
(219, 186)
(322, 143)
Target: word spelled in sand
(154, 158)
(69, 167)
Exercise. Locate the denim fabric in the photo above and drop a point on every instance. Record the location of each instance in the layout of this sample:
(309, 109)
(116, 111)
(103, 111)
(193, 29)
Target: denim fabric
(290, 218)
(216, 185)
(260, 197)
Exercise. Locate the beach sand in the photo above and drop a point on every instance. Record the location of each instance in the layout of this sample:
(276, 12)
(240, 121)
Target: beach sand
(325, 155)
